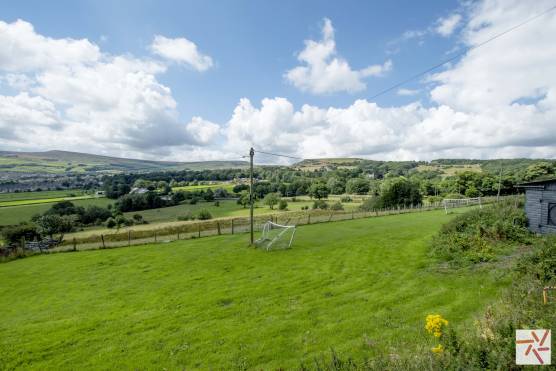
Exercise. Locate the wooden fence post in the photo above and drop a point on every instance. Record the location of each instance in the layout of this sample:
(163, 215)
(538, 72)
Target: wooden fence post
(351, 214)
(154, 236)
(308, 218)
(102, 238)
(178, 235)
(232, 226)
(74, 245)
(199, 229)
(218, 227)
(129, 238)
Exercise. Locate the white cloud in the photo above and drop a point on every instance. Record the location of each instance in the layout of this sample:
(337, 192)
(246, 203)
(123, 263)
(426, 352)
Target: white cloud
(446, 26)
(493, 103)
(202, 131)
(407, 92)
(182, 51)
(325, 72)
(79, 98)
(25, 50)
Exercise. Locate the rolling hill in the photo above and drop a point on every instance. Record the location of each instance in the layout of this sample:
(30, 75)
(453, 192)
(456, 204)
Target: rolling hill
(57, 162)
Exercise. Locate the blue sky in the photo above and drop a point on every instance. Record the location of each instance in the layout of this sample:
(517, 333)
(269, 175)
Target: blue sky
(258, 85)
(252, 42)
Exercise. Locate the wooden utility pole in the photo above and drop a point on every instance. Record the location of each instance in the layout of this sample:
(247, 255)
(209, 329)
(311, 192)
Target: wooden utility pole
(499, 184)
(251, 155)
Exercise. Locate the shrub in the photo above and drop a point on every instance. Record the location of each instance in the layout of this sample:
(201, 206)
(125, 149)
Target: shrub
(217, 204)
(187, 216)
(320, 204)
(336, 206)
(14, 234)
(110, 223)
(193, 201)
(370, 204)
(283, 205)
(305, 207)
(138, 218)
(482, 234)
(204, 215)
(345, 199)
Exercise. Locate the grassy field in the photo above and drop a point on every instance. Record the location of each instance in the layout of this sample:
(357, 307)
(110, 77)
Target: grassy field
(227, 186)
(16, 214)
(19, 196)
(359, 287)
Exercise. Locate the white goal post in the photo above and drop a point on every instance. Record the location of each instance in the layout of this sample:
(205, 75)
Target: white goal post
(276, 236)
(460, 202)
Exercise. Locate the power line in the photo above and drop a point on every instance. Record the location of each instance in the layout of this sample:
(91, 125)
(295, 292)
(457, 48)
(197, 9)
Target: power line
(460, 54)
(279, 155)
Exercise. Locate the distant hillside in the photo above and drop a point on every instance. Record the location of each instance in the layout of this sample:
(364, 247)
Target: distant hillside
(57, 162)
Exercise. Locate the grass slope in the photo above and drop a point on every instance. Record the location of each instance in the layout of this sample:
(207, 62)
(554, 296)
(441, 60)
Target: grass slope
(15, 214)
(359, 286)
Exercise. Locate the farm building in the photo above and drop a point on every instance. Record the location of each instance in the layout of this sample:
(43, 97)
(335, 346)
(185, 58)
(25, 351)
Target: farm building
(540, 205)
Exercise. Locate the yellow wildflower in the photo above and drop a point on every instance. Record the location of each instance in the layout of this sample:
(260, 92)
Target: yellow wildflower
(438, 349)
(434, 324)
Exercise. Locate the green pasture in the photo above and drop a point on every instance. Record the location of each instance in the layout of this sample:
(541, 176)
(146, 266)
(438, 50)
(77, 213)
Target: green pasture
(21, 213)
(358, 287)
(227, 186)
(39, 195)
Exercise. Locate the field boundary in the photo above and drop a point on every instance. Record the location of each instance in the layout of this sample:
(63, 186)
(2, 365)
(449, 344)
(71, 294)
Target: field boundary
(235, 225)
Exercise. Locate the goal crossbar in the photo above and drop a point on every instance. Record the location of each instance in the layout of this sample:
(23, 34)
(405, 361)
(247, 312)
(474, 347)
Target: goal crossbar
(268, 226)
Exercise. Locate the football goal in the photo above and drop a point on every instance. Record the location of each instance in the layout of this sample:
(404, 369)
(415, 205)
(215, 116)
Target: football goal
(452, 203)
(276, 236)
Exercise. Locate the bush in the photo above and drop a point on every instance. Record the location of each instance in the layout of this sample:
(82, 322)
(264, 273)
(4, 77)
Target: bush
(14, 234)
(481, 235)
(217, 204)
(320, 204)
(283, 205)
(370, 204)
(110, 223)
(193, 201)
(187, 216)
(304, 207)
(204, 215)
(336, 206)
(345, 199)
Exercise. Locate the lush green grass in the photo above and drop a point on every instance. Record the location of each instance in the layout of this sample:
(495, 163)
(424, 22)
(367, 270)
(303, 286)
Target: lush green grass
(18, 196)
(44, 201)
(227, 186)
(16, 214)
(360, 287)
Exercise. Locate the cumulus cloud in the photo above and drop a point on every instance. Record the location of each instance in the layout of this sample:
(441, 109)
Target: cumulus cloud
(446, 26)
(325, 72)
(492, 103)
(182, 51)
(75, 94)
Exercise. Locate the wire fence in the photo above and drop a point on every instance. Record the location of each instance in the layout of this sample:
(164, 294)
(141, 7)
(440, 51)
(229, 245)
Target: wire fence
(230, 226)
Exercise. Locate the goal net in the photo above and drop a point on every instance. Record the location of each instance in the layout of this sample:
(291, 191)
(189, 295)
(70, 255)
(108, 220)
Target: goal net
(276, 236)
(452, 203)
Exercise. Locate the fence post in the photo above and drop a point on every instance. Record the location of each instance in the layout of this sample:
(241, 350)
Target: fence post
(178, 235)
(129, 238)
(102, 238)
(351, 214)
(74, 245)
(232, 226)
(308, 218)
(218, 227)
(154, 236)
(199, 229)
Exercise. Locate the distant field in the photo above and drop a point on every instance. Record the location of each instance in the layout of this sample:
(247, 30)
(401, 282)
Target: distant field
(355, 287)
(16, 214)
(17, 196)
(44, 200)
(159, 218)
(449, 170)
(227, 186)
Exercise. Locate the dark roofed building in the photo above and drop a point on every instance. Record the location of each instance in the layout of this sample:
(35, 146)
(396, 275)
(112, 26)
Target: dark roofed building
(540, 205)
